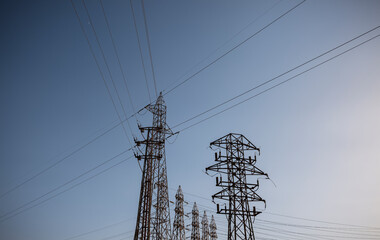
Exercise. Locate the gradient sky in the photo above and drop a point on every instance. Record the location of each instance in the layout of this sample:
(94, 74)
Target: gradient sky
(319, 133)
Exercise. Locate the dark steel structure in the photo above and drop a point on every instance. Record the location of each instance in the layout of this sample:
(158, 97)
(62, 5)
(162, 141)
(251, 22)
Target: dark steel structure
(205, 228)
(153, 217)
(213, 228)
(179, 219)
(236, 190)
(195, 235)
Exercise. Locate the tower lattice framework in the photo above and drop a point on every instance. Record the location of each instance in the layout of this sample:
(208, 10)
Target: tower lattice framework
(205, 228)
(239, 194)
(213, 228)
(153, 217)
(179, 219)
(195, 223)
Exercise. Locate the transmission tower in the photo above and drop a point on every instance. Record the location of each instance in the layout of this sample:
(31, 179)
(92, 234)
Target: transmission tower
(213, 235)
(238, 193)
(153, 217)
(179, 220)
(205, 229)
(195, 223)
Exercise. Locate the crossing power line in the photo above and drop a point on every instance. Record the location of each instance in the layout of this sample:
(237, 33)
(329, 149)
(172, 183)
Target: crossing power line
(121, 121)
(198, 115)
(226, 42)
(117, 56)
(274, 86)
(140, 50)
(149, 48)
(62, 185)
(278, 76)
(134, 114)
(235, 47)
(109, 72)
(103, 133)
(15, 213)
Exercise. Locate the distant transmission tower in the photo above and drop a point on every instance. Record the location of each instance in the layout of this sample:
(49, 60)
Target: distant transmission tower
(179, 220)
(236, 190)
(153, 217)
(213, 235)
(205, 229)
(195, 223)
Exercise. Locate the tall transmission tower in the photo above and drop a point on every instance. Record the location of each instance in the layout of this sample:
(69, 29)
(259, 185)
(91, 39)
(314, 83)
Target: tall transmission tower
(179, 220)
(238, 193)
(195, 223)
(213, 235)
(205, 229)
(153, 216)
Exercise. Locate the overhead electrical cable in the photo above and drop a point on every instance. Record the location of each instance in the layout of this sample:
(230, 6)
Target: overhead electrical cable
(139, 43)
(117, 56)
(342, 231)
(67, 156)
(92, 140)
(319, 221)
(278, 84)
(278, 76)
(235, 47)
(59, 161)
(296, 235)
(225, 43)
(276, 214)
(354, 228)
(98, 229)
(318, 235)
(101, 73)
(117, 235)
(71, 187)
(109, 72)
(149, 48)
(62, 185)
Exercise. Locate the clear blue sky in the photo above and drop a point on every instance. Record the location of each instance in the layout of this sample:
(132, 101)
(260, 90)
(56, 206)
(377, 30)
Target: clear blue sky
(319, 133)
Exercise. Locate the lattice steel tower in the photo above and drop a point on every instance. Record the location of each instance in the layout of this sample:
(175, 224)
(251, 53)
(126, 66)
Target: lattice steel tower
(236, 190)
(205, 229)
(179, 220)
(195, 223)
(213, 235)
(153, 217)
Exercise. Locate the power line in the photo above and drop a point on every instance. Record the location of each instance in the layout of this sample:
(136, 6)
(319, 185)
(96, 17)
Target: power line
(59, 161)
(117, 56)
(109, 72)
(67, 156)
(324, 236)
(226, 42)
(235, 47)
(305, 235)
(139, 43)
(278, 84)
(150, 52)
(117, 235)
(99, 229)
(62, 185)
(97, 64)
(291, 234)
(319, 221)
(278, 76)
(321, 229)
(276, 214)
(101, 73)
(73, 186)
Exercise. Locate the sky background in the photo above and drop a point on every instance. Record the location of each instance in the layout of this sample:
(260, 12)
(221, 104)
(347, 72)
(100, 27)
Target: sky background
(319, 134)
